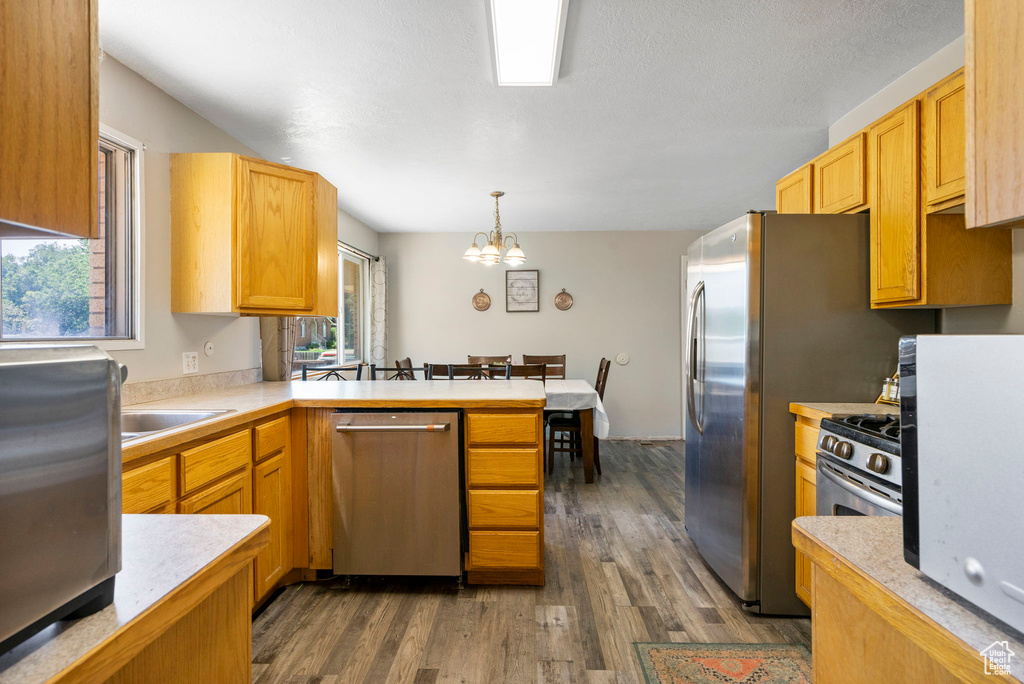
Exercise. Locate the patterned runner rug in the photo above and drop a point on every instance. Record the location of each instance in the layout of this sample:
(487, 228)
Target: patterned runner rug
(733, 663)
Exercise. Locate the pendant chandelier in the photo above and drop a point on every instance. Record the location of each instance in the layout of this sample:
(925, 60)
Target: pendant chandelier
(495, 242)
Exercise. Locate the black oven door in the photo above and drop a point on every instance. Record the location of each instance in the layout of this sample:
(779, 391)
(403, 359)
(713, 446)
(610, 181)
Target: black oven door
(840, 494)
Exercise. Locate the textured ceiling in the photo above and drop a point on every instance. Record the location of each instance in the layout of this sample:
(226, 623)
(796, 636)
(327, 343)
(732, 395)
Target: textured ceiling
(667, 114)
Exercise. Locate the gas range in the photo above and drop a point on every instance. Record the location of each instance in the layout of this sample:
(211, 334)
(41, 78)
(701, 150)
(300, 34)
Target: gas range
(860, 464)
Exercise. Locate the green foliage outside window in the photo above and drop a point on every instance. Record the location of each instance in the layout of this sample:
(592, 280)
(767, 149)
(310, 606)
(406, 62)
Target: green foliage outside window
(46, 293)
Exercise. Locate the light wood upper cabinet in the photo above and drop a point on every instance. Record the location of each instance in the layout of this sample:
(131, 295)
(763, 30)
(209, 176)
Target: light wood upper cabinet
(50, 108)
(794, 193)
(942, 143)
(895, 206)
(839, 174)
(251, 237)
(994, 106)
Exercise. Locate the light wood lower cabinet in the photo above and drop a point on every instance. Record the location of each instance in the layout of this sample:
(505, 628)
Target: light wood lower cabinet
(272, 497)
(505, 497)
(806, 504)
(244, 471)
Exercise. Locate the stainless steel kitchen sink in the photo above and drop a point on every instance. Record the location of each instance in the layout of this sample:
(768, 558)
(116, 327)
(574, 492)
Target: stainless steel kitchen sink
(136, 423)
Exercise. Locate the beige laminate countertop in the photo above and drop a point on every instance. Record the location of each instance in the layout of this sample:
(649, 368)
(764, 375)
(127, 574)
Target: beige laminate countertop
(872, 546)
(817, 411)
(162, 559)
(259, 400)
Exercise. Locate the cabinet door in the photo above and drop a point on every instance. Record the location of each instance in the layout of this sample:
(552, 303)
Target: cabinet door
(232, 496)
(806, 504)
(895, 206)
(793, 194)
(839, 178)
(994, 37)
(276, 238)
(943, 141)
(50, 131)
(272, 497)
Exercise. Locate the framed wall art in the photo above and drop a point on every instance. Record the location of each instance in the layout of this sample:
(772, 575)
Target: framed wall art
(522, 291)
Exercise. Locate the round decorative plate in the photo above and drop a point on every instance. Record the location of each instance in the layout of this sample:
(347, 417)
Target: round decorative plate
(563, 300)
(481, 301)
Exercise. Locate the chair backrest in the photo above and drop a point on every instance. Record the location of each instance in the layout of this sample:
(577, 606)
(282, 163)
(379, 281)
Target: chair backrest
(330, 372)
(602, 377)
(397, 373)
(491, 360)
(531, 371)
(404, 363)
(555, 364)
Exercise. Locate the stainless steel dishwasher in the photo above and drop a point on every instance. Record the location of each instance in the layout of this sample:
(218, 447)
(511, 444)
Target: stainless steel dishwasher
(396, 493)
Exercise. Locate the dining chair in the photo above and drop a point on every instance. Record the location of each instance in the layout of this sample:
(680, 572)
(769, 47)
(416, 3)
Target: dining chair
(465, 371)
(569, 426)
(555, 364)
(533, 371)
(330, 372)
(399, 372)
(491, 360)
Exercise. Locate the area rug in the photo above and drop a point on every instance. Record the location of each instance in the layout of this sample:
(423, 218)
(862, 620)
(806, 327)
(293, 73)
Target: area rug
(734, 663)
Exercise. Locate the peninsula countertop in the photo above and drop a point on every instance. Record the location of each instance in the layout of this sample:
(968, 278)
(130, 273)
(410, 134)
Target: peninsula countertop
(262, 399)
(871, 549)
(169, 563)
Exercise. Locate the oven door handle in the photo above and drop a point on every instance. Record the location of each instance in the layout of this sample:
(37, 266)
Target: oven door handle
(860, 491)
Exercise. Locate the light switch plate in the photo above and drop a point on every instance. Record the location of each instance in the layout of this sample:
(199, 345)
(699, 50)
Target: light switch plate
(190, 362)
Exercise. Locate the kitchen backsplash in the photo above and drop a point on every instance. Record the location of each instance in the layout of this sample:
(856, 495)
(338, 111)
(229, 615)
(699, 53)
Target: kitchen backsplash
(154, 390)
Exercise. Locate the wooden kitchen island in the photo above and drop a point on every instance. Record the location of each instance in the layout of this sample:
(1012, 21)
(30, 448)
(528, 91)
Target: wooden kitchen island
(181, 610)
(272, 455)
(877, 619)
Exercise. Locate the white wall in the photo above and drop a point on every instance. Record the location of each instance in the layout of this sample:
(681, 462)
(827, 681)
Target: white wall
(625, 286)
(355, 233)
(927, 73)
(134, 106)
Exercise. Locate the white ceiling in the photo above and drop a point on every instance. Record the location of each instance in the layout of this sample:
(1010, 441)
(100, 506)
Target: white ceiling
(667, 114)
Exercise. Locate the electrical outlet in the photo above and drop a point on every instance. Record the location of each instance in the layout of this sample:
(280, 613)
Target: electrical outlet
(190, 362)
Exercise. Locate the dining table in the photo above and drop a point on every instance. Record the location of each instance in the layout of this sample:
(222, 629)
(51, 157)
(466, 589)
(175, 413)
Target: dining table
(580, 396)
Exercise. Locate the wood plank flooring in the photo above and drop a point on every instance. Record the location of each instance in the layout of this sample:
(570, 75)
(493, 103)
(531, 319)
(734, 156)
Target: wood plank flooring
(620, 568)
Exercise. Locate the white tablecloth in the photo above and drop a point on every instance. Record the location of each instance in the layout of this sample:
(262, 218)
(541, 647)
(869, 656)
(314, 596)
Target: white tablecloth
(573, 395)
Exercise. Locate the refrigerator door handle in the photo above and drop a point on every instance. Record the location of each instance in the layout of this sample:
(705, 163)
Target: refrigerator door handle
(691, 357)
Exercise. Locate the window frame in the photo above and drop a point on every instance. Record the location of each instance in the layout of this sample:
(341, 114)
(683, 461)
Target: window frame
(363, 261)
(134, 254)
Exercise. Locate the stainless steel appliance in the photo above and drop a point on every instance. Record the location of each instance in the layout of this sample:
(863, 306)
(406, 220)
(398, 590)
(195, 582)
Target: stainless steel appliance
(397, 499)
(778, 312)
(963, 481)
(60, 485)
(859, 466)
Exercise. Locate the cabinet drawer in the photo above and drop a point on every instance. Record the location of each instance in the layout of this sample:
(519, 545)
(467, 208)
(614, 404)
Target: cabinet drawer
(503, 508)
(271, 438)
(504, 550)
(503, 467)
(504, 428)
(145, 488)
(807, 442)
(206, 463)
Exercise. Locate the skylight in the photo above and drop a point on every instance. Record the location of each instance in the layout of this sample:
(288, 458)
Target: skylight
(528, 40)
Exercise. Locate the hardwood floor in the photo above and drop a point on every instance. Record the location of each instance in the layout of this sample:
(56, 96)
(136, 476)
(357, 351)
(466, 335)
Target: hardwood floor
(620, 569)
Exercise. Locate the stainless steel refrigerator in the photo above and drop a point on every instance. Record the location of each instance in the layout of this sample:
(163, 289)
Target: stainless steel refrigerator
(778, 312)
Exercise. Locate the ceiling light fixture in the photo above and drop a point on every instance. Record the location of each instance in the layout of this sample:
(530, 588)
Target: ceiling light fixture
(494, 242)
(527, 36)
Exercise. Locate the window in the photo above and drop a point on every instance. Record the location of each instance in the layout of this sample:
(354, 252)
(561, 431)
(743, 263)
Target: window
(58, 289)
(317, 337)
(353, 300)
